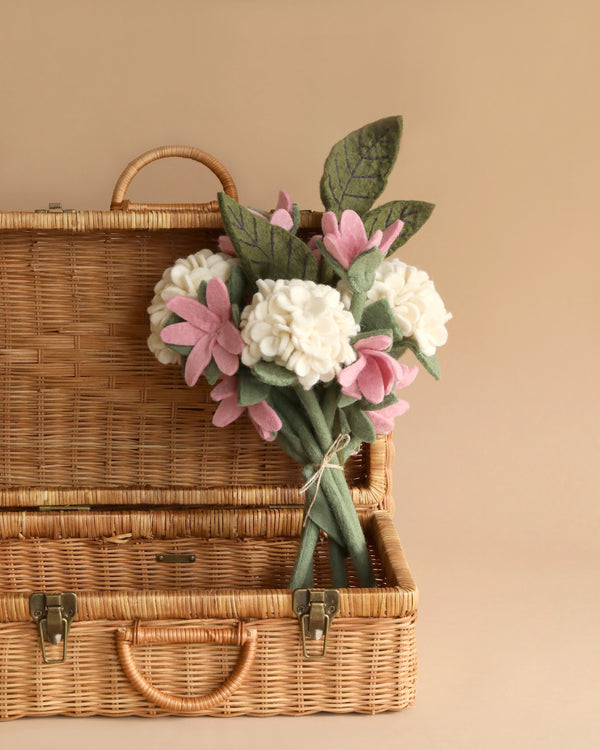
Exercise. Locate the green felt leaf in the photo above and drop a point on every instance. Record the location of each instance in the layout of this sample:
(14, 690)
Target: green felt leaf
(361, 273)
(182, 350)
(357, 168)
(266, 251)
(360, 425)
(236, 284)
(346, 401)
(413, 213)
(369, 406)
(295, 218)
(212, 372)
(250, 390)
(379, 315)
(273, 374)
(201, 296)
(430, 363)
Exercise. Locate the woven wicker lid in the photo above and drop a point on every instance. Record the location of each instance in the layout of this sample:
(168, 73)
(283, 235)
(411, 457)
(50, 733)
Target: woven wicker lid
(89, 417)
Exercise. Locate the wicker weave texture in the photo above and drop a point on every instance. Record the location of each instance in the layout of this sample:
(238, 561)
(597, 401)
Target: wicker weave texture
(370, 666)
(89, 416)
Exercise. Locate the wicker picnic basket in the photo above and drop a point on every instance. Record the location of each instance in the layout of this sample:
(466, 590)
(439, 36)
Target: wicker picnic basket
(144, 554)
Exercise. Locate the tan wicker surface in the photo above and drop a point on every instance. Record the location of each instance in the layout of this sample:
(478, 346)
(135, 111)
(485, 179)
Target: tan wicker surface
(91, 419)
(370, 665)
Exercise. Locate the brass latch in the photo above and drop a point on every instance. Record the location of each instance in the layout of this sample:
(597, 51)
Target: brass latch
(315, 610)
(55, 208)
(53, 614)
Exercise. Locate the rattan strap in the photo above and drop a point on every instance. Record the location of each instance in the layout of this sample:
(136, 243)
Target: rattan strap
(118, 202)
(137, 635)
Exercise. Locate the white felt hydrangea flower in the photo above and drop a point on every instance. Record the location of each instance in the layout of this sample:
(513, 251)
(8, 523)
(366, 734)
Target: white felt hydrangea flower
(182, 279)
(417, 306)
(301, 326)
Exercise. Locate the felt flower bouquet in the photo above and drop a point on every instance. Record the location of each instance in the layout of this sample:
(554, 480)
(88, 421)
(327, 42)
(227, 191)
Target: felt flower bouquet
(305, 336)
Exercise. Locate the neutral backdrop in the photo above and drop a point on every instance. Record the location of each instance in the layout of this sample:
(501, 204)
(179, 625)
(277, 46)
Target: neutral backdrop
(496, 475)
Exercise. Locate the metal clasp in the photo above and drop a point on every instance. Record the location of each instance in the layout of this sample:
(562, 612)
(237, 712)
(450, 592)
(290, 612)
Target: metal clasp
(315, 610)
(55, 208)
(174, 557)
(53, 614)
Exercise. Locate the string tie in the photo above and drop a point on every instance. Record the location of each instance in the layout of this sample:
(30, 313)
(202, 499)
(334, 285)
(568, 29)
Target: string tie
(338, 444)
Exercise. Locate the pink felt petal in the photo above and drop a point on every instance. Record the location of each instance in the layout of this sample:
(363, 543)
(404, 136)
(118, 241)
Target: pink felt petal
(389, 235)
(181, 334)
(230, 338)
(371, 385)
(351, 390)
(226, 245)
(285, 201)
(329, 224)
(375, 239)
(217, 298)
(198, 359)
(227, 412)
(381, 342)
(383, 419)
(381, 423)
(281, 218)
(353, 233)
(389, 368)
(227, 387)
(349, 374)
(227, 362)
(191, 310)
(407, 376)
(337, 250)
(265, 419)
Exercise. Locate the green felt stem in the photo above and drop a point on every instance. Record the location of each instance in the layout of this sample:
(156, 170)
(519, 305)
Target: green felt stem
(331, 399)
(340, 501)
(335, 487)
(358, 305)
(337, 560)
(314, 412)
(302, 575)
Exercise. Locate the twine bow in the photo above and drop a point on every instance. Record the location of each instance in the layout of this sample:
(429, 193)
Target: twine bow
(338, 444)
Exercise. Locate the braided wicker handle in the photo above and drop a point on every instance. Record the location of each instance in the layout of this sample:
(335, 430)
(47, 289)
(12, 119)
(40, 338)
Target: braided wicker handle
(118, 202)
(235, 636)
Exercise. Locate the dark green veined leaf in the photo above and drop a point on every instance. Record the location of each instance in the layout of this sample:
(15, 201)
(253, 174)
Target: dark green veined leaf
(357, 168)
(266, 251)
(413, 213)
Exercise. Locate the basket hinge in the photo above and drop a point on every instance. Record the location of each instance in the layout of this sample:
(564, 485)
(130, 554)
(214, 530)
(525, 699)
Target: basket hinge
(315, 610)
(53, 614)
(55, 208)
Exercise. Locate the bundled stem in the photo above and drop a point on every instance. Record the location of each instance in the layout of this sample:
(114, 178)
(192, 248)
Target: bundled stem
(309, 442)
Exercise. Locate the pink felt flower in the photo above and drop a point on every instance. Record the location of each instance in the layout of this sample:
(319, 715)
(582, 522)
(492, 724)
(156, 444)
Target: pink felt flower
(383, 419)
(281, 217)
(264, 418)
(348, 240)
(374, 373)
(208, 329)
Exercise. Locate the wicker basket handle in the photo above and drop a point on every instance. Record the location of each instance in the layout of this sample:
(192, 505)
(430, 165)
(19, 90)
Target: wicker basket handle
(118, 202)
(234, 636)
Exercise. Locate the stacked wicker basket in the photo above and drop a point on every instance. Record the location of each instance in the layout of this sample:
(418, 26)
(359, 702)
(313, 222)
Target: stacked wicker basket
(145, 554)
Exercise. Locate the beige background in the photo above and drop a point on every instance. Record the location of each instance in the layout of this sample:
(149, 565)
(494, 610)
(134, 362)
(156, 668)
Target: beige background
(496, 473)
